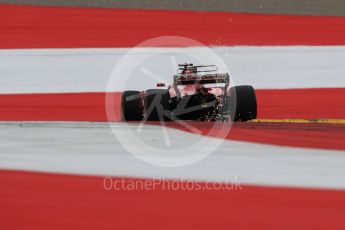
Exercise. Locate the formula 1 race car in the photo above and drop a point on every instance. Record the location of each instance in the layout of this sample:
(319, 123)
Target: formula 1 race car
(198, 93)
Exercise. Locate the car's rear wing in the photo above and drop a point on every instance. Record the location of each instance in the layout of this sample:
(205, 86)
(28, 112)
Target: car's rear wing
(190, 68)
(190, 79)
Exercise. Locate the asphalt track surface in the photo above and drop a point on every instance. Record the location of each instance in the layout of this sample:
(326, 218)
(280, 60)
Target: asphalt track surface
(293, 7)
(42, 200)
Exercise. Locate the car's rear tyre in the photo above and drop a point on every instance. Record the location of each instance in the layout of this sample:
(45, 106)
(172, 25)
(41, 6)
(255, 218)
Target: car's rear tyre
(157, 106)
(131, 106)
(244, 100)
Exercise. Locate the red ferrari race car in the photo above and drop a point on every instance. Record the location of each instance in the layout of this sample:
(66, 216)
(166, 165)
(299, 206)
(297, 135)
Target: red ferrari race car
(198, 93)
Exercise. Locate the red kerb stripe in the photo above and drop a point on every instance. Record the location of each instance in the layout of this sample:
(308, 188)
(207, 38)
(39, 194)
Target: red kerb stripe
(57, 27)
(48, 201)
(280, 104)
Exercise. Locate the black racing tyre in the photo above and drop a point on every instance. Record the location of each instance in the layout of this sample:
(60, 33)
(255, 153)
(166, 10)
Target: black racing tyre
(132, 106)
(244, 100)
(157, 106)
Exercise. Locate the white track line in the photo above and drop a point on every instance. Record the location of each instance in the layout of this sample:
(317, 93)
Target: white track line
(91, 148)
(88, 70)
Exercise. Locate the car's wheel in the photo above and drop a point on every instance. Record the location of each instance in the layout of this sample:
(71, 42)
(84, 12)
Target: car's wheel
(132, 106)
(157, 106)
(244, 100)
